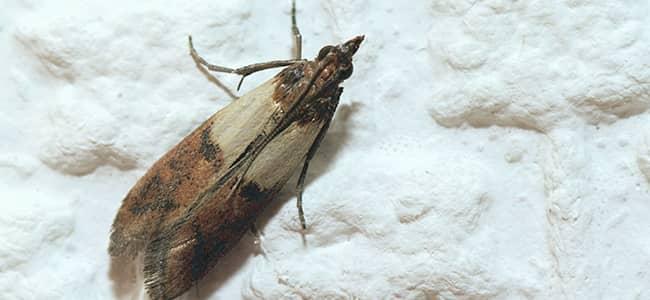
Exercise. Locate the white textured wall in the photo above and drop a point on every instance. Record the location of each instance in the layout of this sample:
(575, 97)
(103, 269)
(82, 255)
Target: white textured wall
(484, 150)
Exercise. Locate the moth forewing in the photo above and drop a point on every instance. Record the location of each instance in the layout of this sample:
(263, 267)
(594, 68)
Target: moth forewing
(198, 161)
(189, 249)
(277, 162)
(239, 123)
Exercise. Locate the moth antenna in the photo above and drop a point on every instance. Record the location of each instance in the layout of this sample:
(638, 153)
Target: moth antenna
(297, 37)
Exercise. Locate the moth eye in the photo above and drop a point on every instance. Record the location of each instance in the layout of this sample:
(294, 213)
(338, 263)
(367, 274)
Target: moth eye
(323, 52)
(346, 72)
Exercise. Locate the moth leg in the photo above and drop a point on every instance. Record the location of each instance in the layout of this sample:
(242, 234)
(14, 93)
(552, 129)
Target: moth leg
(310, 154)
(303, 173)
(256, 233)
(299, 188)
(297, 37)
(196, 290)
(243, 71)
(259, 239)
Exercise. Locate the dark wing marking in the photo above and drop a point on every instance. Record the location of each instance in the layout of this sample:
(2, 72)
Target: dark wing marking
(165, 190)
(192, 246)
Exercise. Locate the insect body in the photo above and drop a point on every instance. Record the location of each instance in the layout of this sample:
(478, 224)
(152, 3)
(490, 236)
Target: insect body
(198, 200)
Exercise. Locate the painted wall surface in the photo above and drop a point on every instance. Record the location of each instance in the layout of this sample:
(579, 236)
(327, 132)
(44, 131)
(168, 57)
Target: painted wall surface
(482, 149)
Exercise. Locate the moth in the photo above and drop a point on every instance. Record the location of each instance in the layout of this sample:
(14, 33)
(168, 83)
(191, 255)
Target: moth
(198, 200)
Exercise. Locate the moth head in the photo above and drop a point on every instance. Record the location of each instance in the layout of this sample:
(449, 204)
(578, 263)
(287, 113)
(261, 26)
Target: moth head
(340, 57)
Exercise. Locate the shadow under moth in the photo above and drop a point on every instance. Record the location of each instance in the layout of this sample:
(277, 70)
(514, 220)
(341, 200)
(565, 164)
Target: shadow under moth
(197, 201)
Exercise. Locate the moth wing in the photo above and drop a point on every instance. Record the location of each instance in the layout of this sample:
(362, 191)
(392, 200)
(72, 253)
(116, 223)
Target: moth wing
(199, 160)
(186, 250)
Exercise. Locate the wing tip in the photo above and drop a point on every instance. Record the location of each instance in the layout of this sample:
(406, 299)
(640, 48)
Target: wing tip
(121, 245)
(153, 265)
(156, 280)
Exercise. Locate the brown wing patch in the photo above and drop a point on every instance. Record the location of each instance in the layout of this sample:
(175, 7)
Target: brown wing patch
(187, 250)
(290, 82)
(171, 184)
(320, 101)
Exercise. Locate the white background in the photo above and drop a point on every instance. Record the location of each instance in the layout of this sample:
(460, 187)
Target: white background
(484, 150)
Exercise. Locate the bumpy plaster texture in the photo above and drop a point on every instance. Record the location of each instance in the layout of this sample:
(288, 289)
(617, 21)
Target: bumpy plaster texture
(482, 149)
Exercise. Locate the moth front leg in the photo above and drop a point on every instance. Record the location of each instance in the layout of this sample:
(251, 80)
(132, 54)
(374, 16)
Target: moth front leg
(243, 71)
(256, 234)
(303, 173)
(300, 186)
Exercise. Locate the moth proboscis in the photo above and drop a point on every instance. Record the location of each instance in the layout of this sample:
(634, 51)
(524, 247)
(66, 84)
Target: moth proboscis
(198, 200)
